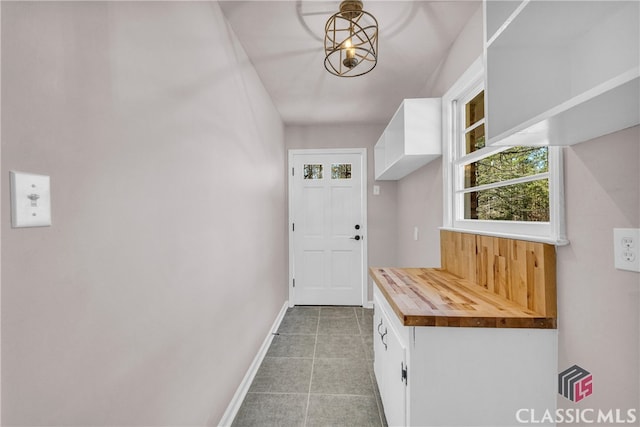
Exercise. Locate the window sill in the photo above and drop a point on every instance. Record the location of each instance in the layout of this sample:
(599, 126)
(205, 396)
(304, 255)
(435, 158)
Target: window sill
(541, 239)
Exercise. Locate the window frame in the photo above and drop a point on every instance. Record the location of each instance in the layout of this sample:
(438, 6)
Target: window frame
(462, 91)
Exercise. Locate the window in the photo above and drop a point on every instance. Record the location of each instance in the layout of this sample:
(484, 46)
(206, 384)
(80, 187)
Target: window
(497, 190)
(338, 171)
(504, 184)
(312, 171)
(341, 171)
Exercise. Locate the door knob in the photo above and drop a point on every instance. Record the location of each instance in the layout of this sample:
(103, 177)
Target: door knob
(356, 237)
(357, 226)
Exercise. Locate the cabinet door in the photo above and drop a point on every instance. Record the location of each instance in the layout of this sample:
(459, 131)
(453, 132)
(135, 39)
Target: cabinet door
(379, 351)
(389, 362)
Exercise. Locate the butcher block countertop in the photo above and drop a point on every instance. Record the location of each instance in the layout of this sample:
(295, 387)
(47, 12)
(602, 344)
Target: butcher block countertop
(436, 297)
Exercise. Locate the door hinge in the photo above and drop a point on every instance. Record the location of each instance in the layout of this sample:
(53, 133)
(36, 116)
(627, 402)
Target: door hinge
(403, 372)
(293, 172)
(293, 226)
(294, 283)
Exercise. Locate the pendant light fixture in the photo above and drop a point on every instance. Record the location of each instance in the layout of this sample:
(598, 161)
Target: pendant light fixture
(351, 41)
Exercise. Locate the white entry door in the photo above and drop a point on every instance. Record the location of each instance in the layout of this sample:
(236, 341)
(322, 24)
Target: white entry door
(327, 191)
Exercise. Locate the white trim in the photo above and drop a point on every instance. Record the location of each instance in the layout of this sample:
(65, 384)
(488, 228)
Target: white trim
(472, 77)
(505, 183)
(237, 399)
(506, 23)
(478, 155)
(290, 246)
(364, 186)
(526, 237)
(365, 243)
(552, 232)
(474, 125)
(556, 196)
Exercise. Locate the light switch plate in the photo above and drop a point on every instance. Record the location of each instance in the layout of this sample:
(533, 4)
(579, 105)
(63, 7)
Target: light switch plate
(30, 200)
(626, 248)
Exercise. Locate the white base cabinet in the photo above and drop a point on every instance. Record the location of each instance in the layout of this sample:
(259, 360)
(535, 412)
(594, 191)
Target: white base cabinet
(462, 376)
(390, 361)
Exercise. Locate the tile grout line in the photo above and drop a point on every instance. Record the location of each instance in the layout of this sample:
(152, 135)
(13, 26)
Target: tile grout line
(362, 321)
(372, 373)
(378, 401)
(313, 362)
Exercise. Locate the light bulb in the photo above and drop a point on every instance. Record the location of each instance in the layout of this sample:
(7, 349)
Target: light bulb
(351, 51)
(350, 61)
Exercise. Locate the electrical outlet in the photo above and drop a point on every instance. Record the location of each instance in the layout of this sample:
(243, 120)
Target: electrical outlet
(625, 248)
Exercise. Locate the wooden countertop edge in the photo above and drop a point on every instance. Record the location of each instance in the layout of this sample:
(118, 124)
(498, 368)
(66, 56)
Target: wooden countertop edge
(467, 321)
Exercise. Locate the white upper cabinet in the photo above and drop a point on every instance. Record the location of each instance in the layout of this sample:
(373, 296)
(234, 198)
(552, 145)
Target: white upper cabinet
(560, 72)
(411, 139)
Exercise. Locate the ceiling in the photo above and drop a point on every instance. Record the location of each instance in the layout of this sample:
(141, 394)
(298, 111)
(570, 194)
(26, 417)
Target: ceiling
(284, 42)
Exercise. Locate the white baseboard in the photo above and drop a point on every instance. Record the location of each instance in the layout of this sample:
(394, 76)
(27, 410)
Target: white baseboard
(369, 304)
(243, 388)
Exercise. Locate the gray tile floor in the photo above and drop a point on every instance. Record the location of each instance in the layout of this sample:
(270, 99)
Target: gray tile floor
(317, 372)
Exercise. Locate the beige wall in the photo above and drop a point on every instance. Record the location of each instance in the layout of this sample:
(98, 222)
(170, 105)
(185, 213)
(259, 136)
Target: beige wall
(165, 266)
(420, 206)
(598, 306)
(147, 299)
(420, 193)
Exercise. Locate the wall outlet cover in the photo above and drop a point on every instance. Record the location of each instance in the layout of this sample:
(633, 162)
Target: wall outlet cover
(626, 246)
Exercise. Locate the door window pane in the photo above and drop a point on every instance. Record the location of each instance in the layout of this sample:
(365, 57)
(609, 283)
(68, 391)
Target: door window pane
(341, 171)
(312, 171)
